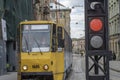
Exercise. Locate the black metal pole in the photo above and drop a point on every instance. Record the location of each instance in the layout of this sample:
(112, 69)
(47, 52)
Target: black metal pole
(87, 66)
(96, 67)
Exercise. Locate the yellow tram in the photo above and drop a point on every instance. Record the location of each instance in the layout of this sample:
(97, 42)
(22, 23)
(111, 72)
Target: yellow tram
(45, 51)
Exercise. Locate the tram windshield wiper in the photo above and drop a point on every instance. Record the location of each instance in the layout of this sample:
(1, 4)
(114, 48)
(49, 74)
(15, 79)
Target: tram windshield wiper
(27, 45)
(38, 45)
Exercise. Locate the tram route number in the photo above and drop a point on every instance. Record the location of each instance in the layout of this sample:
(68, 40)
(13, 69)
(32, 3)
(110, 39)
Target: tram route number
(35, 66)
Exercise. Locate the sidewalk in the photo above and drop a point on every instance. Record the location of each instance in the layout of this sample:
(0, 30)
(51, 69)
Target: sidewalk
(9, 76)
(115, 65)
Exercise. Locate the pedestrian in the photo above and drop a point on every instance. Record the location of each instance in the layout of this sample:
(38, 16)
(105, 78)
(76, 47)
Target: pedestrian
(81, 54)
(113, 56)
(7, 66)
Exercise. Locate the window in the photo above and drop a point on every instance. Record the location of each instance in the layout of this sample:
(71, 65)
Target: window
(53, 15)
(36, 38)
(60, 15)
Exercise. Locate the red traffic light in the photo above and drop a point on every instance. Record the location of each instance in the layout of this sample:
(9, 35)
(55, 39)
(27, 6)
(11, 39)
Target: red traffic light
(96, 24)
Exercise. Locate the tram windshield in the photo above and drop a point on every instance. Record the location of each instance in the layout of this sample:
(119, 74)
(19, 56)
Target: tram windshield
(36, 38)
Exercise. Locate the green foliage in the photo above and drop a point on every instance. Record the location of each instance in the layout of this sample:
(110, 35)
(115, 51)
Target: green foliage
(16, 11)
(1, 8)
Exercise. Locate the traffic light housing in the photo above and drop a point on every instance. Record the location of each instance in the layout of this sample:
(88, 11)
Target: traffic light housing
(96, 39)
(96, 25)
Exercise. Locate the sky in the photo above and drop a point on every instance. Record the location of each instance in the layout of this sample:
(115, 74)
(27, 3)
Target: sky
(77, 16)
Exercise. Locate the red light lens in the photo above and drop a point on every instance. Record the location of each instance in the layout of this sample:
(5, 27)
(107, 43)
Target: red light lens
(96, 24)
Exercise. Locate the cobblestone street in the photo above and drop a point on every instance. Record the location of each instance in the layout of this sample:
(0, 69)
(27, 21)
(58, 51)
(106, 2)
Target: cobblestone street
(78, 70)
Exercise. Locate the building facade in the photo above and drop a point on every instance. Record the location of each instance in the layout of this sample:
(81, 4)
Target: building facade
(114, 27)
(2, 51)
(61, 16)
(12, 12)
(54, 11)
(79, 45)
(75, 45)
(41, 9)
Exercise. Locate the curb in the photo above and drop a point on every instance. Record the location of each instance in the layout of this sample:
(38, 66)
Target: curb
(114, 69)
(111, 68)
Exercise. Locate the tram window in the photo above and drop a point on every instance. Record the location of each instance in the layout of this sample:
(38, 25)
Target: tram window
(60, 40)
(36, 38)
(54, 44)
(59, 33)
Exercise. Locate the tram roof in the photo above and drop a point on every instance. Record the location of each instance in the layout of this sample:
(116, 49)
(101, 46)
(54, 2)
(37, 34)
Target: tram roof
(37, 22)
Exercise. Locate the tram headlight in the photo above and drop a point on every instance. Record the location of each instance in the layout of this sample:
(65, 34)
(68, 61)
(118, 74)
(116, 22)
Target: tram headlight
(25, 67)
(45, 67)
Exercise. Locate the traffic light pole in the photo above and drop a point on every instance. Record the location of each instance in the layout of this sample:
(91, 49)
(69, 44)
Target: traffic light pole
(97, 65)
(96, 40)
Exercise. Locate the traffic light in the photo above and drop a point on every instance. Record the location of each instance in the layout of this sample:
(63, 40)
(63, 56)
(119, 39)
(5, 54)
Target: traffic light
(96, 39)
(96, 24)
